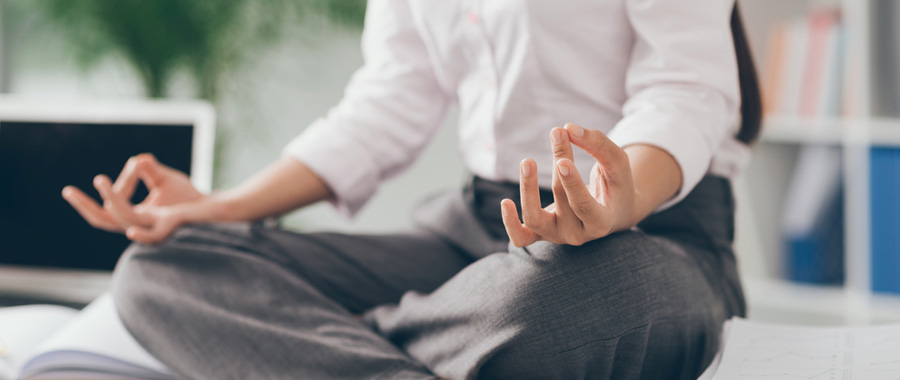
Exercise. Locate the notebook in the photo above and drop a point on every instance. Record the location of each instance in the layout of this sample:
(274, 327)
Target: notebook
(55, 342)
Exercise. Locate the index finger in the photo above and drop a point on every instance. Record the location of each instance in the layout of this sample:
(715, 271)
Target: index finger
(127, 180)
(559, 139)
(151, 171)
(612, 157)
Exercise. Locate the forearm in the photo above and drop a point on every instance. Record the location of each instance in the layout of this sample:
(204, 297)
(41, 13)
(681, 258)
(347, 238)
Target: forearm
(657, 178)
(285, 185)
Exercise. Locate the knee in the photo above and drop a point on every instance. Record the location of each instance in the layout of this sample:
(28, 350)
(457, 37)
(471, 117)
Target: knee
(187, 248)
(131, 269)
(578, 304)
(146, 274)
(622, 279)
(158, 279)
(134, 285)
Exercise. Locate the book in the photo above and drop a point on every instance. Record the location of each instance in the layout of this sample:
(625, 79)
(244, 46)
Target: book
(775, 69)
(54, 342)
(754, 350)
(821, 23)
(886, 57)
(833, 73)
(885, 219)
(812, 225)
(804, 68)
(796, 65)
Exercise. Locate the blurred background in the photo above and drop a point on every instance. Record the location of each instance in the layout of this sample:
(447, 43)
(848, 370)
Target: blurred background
(269, 67)
(818, 233)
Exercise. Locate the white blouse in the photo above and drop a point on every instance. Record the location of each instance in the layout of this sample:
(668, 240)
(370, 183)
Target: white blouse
(658, 72)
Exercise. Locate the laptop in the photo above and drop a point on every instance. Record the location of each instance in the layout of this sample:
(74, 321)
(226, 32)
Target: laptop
(46, 249)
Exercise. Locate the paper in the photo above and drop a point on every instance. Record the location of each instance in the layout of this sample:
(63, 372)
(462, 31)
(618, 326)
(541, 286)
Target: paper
(23, 328)
(774, 352)
(95, 340)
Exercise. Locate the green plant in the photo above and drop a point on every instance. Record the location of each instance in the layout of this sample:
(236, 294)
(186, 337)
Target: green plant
(208, 39)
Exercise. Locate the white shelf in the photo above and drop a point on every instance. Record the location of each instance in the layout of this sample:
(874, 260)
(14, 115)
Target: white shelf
(812, 304)
(853, 303)
(838, 131)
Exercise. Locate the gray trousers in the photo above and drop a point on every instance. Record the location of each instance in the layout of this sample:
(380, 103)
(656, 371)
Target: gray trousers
(449, 299)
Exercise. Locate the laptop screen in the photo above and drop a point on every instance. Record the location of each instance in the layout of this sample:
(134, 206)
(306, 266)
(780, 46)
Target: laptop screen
(37, 159)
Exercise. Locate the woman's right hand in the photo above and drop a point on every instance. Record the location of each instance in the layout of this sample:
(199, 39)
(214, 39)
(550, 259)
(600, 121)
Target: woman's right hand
(170, 202)
(285, 185)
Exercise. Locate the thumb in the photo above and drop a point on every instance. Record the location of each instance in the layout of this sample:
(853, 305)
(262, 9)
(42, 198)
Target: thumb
(158, 231)
(151, 235)
(610, 156)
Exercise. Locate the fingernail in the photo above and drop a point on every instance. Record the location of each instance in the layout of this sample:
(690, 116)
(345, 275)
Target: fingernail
(526, 169)
(503, 209)
(563, 169)
(575, 130)
(554, 136)
(66, 192)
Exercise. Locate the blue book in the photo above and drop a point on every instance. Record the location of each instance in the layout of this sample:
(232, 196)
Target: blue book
(885, 219)
(817, 257)
(812, 224)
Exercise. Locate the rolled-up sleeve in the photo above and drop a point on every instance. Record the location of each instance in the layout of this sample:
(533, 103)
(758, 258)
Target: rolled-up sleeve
(682, 83)
(391, 108)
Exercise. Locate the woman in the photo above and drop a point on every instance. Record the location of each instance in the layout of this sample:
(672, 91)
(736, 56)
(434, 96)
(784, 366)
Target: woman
(620, 268)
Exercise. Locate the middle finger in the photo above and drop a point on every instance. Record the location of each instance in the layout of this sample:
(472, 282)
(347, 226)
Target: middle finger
(568, 223)
(120, 208)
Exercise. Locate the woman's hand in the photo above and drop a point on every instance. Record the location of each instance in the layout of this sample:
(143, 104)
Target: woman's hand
(580, 213)
(171, 201)
(281, 187)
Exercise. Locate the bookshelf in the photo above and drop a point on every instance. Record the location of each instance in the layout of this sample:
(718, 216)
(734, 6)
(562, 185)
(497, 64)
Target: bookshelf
(861, 126)
(837, 131)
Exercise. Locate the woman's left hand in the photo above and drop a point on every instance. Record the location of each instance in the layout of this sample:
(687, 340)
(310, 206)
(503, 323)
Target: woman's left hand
(580, 213)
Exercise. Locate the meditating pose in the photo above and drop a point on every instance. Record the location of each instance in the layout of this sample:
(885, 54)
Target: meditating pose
(594, 239)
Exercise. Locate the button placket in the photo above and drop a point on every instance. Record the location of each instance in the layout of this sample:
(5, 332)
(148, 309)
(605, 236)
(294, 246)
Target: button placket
(486, 71)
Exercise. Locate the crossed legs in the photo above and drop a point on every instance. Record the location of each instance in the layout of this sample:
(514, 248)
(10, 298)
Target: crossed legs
(240, 301)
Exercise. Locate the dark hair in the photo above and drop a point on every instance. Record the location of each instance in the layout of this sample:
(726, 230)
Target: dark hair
(751, 102)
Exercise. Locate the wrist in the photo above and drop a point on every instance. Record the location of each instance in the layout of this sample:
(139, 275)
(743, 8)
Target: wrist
(634, 213)
(657, 179)
(197, 211)
(219, 207)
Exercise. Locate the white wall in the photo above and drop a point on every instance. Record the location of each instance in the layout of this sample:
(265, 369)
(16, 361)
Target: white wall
(262, 108)
(294, 85)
